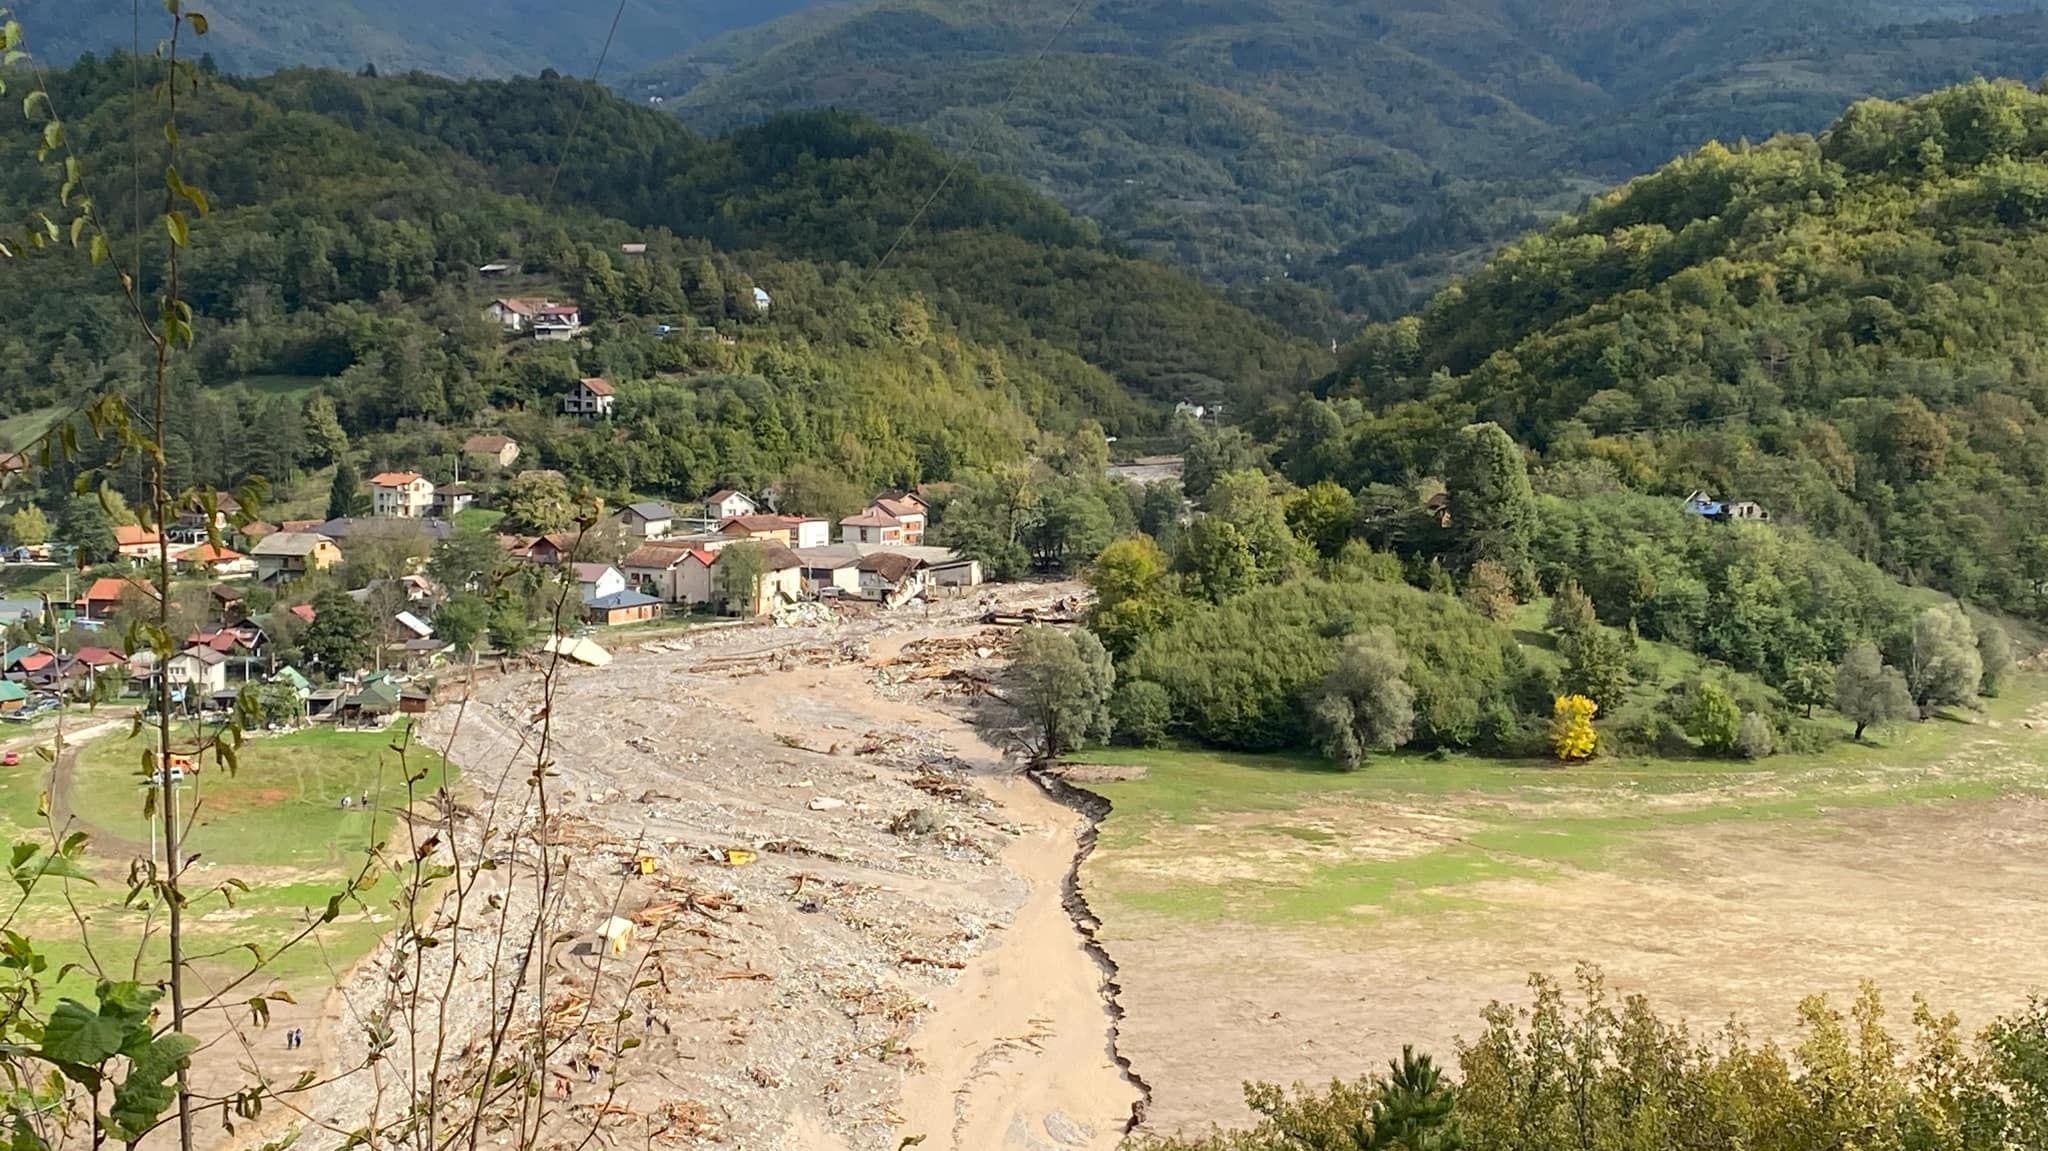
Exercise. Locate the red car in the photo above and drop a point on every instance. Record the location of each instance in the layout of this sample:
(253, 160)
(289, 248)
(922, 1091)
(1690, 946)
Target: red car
(10, 759)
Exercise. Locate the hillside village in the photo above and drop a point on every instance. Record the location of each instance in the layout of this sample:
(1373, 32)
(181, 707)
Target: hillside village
(249, 589)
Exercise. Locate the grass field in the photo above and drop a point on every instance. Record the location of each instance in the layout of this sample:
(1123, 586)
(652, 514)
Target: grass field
(1364, 910)
(277, 824)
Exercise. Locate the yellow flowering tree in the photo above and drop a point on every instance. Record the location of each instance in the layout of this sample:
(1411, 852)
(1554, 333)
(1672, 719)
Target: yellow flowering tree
(1571, 728)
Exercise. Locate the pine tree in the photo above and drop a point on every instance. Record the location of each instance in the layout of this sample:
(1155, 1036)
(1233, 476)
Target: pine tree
(345, 498)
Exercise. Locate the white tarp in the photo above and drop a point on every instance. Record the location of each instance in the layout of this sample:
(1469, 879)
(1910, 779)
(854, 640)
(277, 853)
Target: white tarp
(578, 649)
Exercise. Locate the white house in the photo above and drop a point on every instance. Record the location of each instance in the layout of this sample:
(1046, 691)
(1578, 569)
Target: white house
(513, 315)
(762, 301)
(591, 398)
(201, 671)
(597, 581)
(726, 503)
(401, 495)
(451, 500)
(871, 527)
(648, 519)
(659, 569)
(557, 322)
(907, 509)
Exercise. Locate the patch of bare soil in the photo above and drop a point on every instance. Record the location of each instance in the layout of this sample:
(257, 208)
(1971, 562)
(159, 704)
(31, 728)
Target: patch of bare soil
(855, 931)
(1736, 921)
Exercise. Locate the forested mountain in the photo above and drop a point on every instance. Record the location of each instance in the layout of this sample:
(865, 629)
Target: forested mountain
(451, 37)
(1366, 147)
(1845, 329)
(351, 215)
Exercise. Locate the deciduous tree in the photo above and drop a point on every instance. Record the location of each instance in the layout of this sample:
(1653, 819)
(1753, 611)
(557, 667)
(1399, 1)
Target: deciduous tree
(1365, 704)
(1062, 683)
(1869, 693)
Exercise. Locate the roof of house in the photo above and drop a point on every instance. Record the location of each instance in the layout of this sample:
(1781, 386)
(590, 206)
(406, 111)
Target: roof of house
(724, 494)
(487, 443)
(827, 558)
(455, 489)
(339, 529)
(871, 519)
(99, 656)
(11, 692)
(523, 305)
(296, 544)
(620, 601)
(892, 566)
(207, 553)
(303, 610)
(17, 654)
(228, 593)
(900, 508)
(257, 529)
(36, 662)
(553, 309)
(135, 535)
(597, 384)
(205, 655)
(292, 676)
(651, 510)
(108, 588)
(760, 523)
(591, 573)
(414, 624)
(394, 479)
(658, 556)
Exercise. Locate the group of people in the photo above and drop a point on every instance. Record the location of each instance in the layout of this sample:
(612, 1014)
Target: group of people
(295, 1039)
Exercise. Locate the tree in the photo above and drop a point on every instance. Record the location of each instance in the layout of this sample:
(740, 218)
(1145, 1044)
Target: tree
(1571, 610)
(1365, 703)
(338, 639)
(1323, 515)
(1246, 500)
(325, 443)
(1062, 684)
(986, 520)
(345, 496)
(1808, 684)
(1994, 650)
(1211, 453)
(1572, 736)
(1489, 591)
(461, 620)
(1712, 718)
(469, 559)
(1869, 693)
(508, 629)
(84, 527)
(28, 527)
(1134, 594)
(1140, 711)
(1597, 665)
(1492, 507)
(736, 578)
(1415, 1110)
(1072, 526)
(1215, 559)
(1943, 666)
(538, 502)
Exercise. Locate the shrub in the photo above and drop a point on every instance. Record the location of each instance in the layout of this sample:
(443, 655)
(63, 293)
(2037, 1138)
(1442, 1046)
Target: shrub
(1712, 718)
(1756, 737)
(1571, 728)
(1139, 712)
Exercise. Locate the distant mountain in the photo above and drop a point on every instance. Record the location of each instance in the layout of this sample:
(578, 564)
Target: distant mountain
(1364, 148)
(451, 37)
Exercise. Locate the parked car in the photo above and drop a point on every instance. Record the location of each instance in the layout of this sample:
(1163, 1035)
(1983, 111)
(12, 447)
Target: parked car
(10, 759)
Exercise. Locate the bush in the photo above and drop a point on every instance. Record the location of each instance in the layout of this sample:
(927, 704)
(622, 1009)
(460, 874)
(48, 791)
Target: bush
(1756, 737)
(1712, 718)
(1571, 728)
(1139, 712)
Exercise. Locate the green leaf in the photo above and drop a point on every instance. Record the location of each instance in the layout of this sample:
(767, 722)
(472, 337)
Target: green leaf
(174, 223)
(198, 20)
(143, 1097)
(30, 102)
(80, 1036)
(98, 249)
(53, 134)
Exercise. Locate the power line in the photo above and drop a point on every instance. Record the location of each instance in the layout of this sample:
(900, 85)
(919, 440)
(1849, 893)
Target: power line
(959, 161)
(576, 126)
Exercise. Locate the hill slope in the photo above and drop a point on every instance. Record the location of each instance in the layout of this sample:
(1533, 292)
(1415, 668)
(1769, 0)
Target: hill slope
(1845, 329)
(452, 37)
(1368, 147)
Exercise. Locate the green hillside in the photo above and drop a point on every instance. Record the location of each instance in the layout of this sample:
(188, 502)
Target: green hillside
(1367, 149)
(351, 214)
(1844, 328)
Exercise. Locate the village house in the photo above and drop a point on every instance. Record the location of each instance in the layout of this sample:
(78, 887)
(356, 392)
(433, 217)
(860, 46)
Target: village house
(104, 596)
(339, 530)
(230, 604)
(782, 581)
(226, 563)
(13, 697)
(137, 544)
(451, 500)
(725, 503)
(647, 520)
(197, 674)
(544, 551)
(401, 495)
(891, 577)
(557, 322)
(286, 556)
(591, 398)
(871, 527)
(830, 572)
(789, 531)
(491, 451)
(515, 314)
(1703, 504)
(657, 569)
(595, 581)
(906, 508)
(621, 607)
(195, 524)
